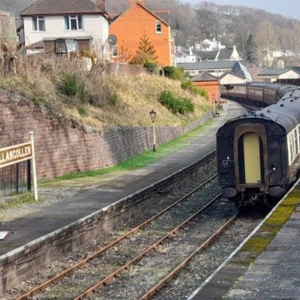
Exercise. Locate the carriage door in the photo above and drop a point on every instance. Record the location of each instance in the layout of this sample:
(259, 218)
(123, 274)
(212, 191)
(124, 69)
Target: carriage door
(252, 147)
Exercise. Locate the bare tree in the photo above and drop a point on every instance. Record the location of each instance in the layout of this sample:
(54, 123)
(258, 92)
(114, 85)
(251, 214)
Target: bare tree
(266, 39)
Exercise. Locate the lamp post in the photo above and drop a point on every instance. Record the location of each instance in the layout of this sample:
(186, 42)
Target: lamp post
(152, 114)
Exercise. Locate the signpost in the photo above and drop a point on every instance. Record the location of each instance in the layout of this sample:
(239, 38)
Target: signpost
(18, 153)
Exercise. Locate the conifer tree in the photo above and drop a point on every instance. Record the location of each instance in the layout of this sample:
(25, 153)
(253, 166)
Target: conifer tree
(145, 53)
(251, 50)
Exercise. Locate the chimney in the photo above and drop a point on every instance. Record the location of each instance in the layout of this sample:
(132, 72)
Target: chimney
(133, 2)
(100, 4)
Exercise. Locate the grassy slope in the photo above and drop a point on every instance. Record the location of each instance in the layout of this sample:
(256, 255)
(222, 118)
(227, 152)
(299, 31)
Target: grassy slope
(120, 100)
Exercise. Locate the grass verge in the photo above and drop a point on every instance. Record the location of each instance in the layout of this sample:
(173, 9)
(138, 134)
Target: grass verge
(19, 199)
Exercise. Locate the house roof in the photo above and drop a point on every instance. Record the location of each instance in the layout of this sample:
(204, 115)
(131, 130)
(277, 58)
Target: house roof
(207, 55)
(59, 7)
(273, 72)
(208, 65)
(235, 67)
(164, 15)
(159, 17)
(204, 76)
(225, 54)
(37, 45)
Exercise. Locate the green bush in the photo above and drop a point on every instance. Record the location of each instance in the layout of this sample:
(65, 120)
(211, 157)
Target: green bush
(176, 104)
(69, 85)
(188, 85)
(151, 67)
(175, 73)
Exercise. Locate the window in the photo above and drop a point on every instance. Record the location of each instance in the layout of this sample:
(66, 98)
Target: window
(158, 27)
(73, 22)
(38, 23)
(114, 51)
(60, 46)
(65, 46)
(296, 142)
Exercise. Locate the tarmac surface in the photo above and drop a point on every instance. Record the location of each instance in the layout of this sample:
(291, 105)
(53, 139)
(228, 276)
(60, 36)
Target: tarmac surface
(53, 217)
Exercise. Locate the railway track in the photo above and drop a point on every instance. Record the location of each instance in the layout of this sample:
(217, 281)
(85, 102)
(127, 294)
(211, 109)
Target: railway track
(84, 264)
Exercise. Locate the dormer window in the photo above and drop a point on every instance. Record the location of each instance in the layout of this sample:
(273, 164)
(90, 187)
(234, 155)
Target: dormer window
(158, 27)
(38, 24)
(73, 22)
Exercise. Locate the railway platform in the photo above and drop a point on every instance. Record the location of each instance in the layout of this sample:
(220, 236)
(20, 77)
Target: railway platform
(39, 224)
(267, 265)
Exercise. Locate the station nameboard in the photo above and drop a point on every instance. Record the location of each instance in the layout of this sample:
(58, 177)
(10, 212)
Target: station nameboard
(15, 154)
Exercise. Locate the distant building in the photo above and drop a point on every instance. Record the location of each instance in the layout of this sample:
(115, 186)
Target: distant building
(210, 84)
(286, 76)
(219, 55)
(59, 26)
(228, 72)
(133, 24)
(209, 45)
(185, 55)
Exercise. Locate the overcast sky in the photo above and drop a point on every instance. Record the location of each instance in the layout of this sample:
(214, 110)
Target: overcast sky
(288, 8)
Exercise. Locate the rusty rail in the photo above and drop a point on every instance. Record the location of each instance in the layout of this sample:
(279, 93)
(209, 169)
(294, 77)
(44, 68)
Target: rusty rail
(107, 280)
(175, 272)
(37, 290)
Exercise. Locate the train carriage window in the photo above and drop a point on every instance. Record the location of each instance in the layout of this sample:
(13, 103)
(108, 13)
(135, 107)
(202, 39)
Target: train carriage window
(296, 142)
(298, 131)
(290, 148)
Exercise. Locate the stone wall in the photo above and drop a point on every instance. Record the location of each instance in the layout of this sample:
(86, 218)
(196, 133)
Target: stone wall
(63, 146)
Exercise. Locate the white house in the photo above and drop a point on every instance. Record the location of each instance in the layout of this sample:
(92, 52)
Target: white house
(184, 55)
(209, 45)
(60, 26)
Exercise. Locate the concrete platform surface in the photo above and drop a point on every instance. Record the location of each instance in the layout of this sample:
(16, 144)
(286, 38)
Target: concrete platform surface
(53, 217)
(275, 274)
(267, 265)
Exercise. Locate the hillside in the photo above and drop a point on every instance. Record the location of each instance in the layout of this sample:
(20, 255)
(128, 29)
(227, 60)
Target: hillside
(96, 99)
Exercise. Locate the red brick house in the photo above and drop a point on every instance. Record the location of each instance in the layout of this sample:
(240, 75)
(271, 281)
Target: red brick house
(210, 84)
(136, 22)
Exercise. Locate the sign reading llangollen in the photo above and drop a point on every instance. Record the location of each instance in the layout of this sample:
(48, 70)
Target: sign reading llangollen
(15, 154)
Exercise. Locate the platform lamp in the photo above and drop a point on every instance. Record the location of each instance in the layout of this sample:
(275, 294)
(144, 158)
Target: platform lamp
(214, 101)
(152, 114)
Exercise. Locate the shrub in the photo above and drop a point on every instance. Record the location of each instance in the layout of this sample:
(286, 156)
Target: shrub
(176, 104)
(69, 85)
(151, 67)
(175, 73)
(188, 85)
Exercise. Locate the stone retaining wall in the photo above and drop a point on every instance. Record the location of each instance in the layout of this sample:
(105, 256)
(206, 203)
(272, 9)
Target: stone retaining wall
(63, 146)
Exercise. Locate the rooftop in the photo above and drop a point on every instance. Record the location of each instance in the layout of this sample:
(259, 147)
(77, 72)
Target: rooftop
(59, 7)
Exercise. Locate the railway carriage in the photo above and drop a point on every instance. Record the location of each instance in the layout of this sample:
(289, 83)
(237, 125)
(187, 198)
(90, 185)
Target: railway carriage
(258, 153)
(257, 94)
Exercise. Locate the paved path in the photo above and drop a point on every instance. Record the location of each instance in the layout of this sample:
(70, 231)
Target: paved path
(53, 217)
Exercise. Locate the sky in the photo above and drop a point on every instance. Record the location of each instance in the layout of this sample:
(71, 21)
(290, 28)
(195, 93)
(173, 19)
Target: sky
(287, 8)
